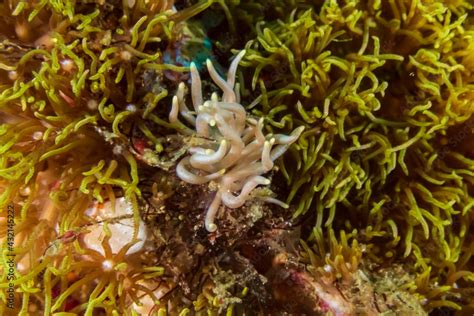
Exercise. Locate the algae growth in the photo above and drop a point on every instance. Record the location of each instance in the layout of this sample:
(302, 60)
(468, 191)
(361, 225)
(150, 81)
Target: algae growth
(380, 184)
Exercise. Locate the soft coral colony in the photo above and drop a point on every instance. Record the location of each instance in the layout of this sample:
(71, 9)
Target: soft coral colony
(385, 89)
(372, 100)
(61, 109)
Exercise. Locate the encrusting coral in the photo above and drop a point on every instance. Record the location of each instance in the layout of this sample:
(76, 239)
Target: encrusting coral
(236, 152)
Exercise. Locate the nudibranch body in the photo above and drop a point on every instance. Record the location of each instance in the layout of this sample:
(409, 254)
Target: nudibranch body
(237, 154)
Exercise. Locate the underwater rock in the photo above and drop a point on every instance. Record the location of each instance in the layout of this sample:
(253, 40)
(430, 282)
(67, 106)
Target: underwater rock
(120, 227)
